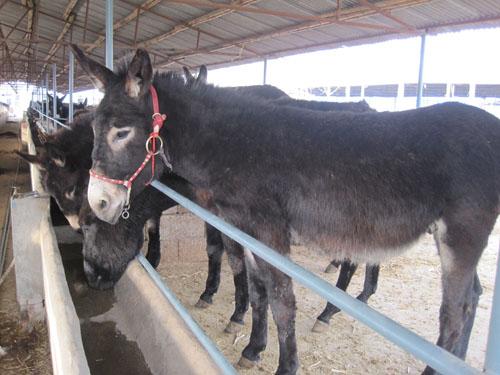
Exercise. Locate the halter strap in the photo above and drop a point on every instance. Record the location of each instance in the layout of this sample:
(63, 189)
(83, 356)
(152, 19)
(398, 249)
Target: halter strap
(151, 152)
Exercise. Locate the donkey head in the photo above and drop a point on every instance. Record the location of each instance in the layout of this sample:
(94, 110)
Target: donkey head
(64, 161)
(107, 249)
(60, 180)
(121, 127)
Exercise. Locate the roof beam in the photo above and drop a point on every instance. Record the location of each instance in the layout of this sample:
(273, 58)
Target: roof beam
(10, 53)
(247, 9)
(30, 30)
(345, 18)
(388, 15)
(195, 22)
(186, 24)
(30, 6)
(69, 17)
(7, 51)
(2, 4)
(124, 21)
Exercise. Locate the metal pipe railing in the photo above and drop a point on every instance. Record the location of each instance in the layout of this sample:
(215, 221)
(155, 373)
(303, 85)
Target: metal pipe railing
(52, 119)
(436, 357)
(492, 362)
(204, 340)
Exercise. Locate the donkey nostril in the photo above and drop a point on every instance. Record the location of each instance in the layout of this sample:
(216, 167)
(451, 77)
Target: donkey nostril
(102, 204)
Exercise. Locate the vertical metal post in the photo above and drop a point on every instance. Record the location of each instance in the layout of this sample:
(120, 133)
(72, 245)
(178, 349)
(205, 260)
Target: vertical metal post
(109, 34)
(46, 94)
(70, 84)
(54, 92)
(420, 87)
(264, 78)
(492, 362)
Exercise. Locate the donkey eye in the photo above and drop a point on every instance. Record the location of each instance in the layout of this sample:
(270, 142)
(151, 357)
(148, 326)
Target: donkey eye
(70, 193)
(122, 134)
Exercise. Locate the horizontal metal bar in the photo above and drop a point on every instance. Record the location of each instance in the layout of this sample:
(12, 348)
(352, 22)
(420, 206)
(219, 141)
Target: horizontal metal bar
(438, 358)
(492, 362)
(205, 341)
(52, 119)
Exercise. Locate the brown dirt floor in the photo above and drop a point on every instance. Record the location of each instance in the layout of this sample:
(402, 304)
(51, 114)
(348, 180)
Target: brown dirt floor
(27, 348)
(409, 292)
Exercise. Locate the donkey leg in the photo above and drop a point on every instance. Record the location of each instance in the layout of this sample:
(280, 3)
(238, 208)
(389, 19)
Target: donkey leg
(259, 302)
(371, 282)
(279, 291)
(214, 251)
(469, 323)
(347, 269)
(282, 301)
(154, 248)
(333, 266)
(236, 259)
(460, 246)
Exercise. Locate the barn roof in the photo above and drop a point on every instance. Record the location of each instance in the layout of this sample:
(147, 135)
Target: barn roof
(35, 33)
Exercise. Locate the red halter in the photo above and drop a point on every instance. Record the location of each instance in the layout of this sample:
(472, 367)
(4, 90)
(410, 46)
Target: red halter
(158, 119)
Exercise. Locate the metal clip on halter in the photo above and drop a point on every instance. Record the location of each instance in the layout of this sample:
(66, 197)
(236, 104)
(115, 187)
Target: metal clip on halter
(125, 214)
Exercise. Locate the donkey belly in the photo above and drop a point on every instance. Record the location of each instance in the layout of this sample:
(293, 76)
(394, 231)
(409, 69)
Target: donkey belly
(364, 233)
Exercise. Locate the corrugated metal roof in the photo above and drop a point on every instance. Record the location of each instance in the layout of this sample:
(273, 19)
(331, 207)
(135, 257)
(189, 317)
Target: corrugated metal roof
(217, 32)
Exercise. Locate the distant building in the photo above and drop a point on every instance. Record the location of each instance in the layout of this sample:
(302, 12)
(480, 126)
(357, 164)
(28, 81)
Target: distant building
(396, 97)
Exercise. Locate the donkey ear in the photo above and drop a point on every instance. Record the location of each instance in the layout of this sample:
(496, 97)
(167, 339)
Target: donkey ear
(187, 75)
(100, 76)
(33, 159)
(85, 102)
(139, 74)
(62, 97)
(202, 75)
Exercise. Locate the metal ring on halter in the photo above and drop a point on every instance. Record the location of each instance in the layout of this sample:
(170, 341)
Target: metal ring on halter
(156, 114)
(125, 214)
(148, 142)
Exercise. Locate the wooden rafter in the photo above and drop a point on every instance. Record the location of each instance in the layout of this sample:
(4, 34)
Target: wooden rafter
(195, 22)
(7, 50)
(345, 18)
(263, 11)
(189, 25)
(30, 27)
(86, 21)
(2, 4)
(69, 18)
(388, 15)
(124, 21)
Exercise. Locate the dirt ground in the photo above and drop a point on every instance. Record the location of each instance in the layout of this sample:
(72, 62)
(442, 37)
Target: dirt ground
(24, 349)
(409, 292)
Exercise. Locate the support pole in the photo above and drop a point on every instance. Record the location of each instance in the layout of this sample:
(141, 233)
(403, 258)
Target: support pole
(420, 88)
(46, 94)
(109, 34)
(54, 93)
(70, 84)
(492, 362)
(264, 78)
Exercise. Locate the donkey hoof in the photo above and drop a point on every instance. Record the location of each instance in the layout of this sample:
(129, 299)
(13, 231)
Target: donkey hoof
(246, 363)
(201, 304)
(331, 268)
(320, 327)
(233, 327)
